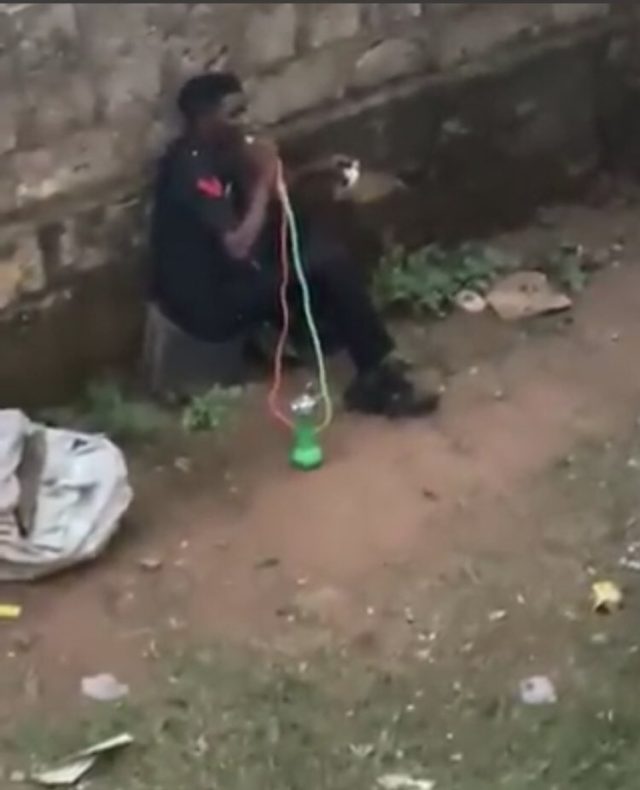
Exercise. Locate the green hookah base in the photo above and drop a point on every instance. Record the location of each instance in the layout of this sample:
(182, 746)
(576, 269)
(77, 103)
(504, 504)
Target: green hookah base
(306, 453)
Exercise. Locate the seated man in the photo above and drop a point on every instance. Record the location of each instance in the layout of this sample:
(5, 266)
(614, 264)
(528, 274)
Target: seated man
(215, 264)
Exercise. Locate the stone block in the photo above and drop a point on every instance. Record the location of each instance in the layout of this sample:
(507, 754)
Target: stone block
(8, 185)
(21, 267)
(389, 13)
(108, 32)
(463, 36)
(94, 237)
(124, 55)
(574, 13)
(125, 230)
(80, 161)
(270, 34)
(8, 88)
(54, 103)
(51, 347)
(56, 94)
(329, 22)
(46, 35)
(196, 38)
(8, 125)
(303, 84)
(388, 60)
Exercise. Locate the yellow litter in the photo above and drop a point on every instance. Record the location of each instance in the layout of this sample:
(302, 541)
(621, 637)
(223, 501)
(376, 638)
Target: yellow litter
(607, 598)
(9, 611)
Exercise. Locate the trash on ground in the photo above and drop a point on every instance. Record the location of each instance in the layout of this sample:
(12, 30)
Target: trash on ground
(525, 295)
(150, 564)
(10, 611)
(538, 691)
(77, 766)
(471, 302)
(607, 598)
(269, 563)
(104, 688)
(78, 492)
(66, 776)
(498, 616)
(630, 564)
(362, 750)
(183, 465)
(404, 782)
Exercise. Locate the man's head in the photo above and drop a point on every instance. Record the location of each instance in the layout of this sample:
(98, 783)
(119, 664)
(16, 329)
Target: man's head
(214, 106)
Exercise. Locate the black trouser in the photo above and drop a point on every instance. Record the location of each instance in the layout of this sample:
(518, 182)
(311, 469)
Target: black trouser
(340, 300)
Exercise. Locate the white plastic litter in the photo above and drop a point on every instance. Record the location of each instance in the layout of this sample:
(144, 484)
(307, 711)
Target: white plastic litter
(538, 691)
(404, 782)
(104, 688)
(78, 766)
(80, 495)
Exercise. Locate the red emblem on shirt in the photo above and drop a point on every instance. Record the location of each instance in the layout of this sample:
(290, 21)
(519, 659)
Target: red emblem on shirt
(211, 187)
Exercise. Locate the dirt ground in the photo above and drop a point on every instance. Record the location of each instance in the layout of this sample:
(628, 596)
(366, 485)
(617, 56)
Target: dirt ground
(375, 617)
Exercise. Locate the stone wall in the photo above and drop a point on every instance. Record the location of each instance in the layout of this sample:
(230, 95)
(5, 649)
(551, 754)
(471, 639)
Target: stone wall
(86, 100)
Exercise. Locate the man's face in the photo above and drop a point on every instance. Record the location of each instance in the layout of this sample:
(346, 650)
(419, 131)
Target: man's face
(226, 128)
(232, 114)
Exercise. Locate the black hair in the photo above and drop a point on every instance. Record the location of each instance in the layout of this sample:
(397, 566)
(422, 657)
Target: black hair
(206, 92)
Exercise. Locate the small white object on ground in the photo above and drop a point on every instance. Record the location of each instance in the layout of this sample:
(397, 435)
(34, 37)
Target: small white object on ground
(150, 564)
(630, 564)
(404, 782)
(104, 688)
(538, 691)
(79, 765)
(66, 776)
(362, 750)
(471, 302)
(183, 465)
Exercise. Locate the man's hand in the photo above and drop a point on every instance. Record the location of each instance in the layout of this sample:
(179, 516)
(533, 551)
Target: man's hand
(265, 161)
(265, 164)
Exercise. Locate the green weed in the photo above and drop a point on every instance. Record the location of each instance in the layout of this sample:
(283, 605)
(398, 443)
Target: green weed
(428, 279)
(211, 411)
(105, 408)
(108, 410)
(565, 268)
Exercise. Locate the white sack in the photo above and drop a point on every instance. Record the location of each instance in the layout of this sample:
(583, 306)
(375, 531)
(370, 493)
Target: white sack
(81, 495)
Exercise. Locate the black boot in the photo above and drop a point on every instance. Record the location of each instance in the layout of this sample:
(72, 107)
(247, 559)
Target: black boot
(386, 391)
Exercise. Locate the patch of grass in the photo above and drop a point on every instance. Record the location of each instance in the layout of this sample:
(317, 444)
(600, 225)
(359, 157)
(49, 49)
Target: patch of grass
(109, 410)
(235, 718)
(427, 280)
(239, 720)
(106, 408)
(565, 267)
(212, 411)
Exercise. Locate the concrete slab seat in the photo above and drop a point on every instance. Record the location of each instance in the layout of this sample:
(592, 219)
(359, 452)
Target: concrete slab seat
(176, 363)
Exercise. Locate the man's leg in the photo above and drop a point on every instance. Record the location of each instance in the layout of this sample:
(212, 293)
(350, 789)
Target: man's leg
(343, 301)
(341, 296)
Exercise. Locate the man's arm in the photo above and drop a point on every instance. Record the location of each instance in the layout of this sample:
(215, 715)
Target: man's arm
(263, 166)
(202, 191)
(240, 240)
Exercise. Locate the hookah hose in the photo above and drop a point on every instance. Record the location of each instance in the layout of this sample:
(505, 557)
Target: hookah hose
(290, 250)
